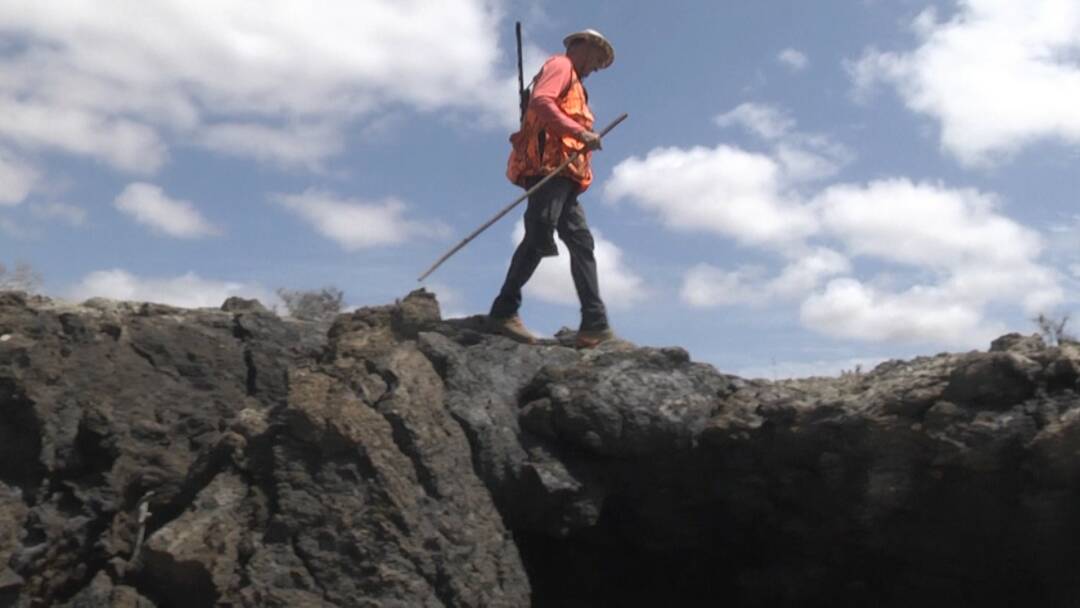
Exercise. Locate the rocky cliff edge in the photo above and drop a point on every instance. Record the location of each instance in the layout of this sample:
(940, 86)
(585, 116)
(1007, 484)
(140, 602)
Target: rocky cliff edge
(155, 456)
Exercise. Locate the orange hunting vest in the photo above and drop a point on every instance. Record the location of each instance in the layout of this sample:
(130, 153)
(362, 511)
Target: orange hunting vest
(535, 153)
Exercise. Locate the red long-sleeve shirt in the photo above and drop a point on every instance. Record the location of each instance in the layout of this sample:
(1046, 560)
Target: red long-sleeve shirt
(554, 79)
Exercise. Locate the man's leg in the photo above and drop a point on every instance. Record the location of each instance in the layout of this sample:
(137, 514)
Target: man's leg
(544, 210)
(574, 231)
(522, 266)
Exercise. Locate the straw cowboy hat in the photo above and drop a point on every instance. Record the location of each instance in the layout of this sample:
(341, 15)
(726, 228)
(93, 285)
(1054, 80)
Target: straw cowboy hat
(595, 37)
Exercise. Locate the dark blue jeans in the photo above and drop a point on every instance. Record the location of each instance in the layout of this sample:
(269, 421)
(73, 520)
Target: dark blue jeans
(554, 208)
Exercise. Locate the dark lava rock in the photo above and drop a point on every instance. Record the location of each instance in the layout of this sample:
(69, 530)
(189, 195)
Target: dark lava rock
(155, 456)
(993, 380)
(236, 304)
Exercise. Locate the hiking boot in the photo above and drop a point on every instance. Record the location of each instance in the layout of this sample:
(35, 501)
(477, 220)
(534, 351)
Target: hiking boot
(513, 328)
(591, 338)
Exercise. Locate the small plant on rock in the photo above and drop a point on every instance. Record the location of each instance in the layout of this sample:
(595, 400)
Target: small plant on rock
(22, 278)
(1052, 329)
(855, 372)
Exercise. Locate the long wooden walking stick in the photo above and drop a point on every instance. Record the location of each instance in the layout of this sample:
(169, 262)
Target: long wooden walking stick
(517, 201)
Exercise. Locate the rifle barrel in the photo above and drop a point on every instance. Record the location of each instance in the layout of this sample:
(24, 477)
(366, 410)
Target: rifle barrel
(521, 72)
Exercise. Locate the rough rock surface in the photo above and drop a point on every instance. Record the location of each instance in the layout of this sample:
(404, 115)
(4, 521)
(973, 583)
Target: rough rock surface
(153, 456)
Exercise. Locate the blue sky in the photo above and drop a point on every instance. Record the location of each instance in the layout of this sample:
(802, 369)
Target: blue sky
(800, 187)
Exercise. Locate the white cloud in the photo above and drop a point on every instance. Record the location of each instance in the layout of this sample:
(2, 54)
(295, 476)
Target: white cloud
(17, 179)
(724, 190)
(997, 76)
(117, 80)
(707, 286)
(951, 254)
(811, 158)
(848, 308)
(1063, 244)
(149, 205)
(620, 287)
(304, 146)
(924, 224)
(807, 271)
(793, 59)
(959, 234)
(122, 143)
(750, 197)
(187, 290)
(764, 120)
(802, 156)
(355, 224)
(69, 214)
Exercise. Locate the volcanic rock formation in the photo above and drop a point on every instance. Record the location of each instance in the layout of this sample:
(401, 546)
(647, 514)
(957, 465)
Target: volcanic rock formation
(158, 457)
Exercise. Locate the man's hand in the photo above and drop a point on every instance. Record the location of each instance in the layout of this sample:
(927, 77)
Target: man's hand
(590, 139)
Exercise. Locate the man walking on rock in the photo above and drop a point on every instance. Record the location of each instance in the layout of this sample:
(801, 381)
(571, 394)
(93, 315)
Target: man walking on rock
(557, 123)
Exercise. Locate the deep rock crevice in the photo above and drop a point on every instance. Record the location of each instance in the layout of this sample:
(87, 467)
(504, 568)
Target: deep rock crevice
(20, 439)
